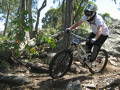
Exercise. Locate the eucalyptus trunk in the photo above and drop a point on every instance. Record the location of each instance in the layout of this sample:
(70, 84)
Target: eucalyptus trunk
(62, 10)
(68, 13)
(21, 14)
(6, 23)
(68, 19)
(30, 18)
(20, 35)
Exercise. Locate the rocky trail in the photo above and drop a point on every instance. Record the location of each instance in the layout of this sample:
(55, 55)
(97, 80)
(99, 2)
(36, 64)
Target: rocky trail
(32, 78)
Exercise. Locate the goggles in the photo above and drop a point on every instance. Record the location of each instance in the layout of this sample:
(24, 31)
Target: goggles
(88, 13)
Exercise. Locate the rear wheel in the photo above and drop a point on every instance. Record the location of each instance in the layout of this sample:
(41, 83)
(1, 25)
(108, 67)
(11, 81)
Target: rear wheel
(60, 64)
(100, 62)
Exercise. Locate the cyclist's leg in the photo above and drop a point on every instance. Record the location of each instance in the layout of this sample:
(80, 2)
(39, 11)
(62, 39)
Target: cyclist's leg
(97, 45)
(88, 42)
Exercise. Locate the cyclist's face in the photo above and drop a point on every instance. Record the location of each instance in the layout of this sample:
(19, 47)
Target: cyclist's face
(88, 13)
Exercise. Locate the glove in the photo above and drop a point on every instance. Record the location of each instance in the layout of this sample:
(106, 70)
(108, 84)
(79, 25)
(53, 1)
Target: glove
(93, 40)
(67, 30)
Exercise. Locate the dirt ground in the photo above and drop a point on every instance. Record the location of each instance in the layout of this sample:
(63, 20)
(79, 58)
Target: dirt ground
(109, 79)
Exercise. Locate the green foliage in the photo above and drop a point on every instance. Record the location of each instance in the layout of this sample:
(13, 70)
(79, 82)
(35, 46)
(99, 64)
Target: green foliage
(30, 51)
(16, 33)
(105, 15)
(9, 46)
(52, 18)
(107, 18)
(2, 38)
(78, 9)
(38, 45)
(45, 37)
(12, 5)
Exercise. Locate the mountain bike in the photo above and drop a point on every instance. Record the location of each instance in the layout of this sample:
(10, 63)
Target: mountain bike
(62, 61)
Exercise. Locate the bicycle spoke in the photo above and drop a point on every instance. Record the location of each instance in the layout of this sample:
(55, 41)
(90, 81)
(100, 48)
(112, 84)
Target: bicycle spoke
(60, 64)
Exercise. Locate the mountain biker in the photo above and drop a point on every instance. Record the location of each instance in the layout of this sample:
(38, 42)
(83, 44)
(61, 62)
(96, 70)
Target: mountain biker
(99, 32)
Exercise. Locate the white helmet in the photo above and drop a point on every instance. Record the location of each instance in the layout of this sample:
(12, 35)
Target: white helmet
(90, 10)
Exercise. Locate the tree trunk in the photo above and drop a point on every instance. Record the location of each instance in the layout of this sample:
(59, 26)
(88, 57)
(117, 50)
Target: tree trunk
(68, 19)
(21, 12)
(38, 15)
(5, 29)
(30, 17)
(68, 13)
(63, 18)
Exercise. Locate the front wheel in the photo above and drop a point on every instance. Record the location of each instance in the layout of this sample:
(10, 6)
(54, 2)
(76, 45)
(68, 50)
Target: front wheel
(99, 64)
(60, 64)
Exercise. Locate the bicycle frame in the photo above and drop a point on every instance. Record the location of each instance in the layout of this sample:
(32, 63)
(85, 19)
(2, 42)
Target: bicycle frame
(78, 45)
(60, 66)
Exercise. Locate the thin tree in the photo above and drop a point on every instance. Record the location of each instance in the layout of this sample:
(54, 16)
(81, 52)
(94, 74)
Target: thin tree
(7, 17)
(29, 5)
(38, 15)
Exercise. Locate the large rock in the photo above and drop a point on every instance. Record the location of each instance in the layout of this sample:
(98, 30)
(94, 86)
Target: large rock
(112, 44)
(13, 80)
(75, 85)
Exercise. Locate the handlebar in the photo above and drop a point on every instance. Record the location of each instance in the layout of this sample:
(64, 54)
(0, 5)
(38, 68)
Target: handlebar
(79, 37)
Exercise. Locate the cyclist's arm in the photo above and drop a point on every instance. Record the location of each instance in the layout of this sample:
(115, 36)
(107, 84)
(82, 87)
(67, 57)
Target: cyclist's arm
(76, 25)
(100, 27)
(99, 31)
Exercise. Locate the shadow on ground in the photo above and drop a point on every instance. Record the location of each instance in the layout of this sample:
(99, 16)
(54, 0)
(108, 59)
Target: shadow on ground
(60, 84)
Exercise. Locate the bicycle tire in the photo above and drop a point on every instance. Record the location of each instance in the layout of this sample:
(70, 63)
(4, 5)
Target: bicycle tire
(92, 70)
(60, 64)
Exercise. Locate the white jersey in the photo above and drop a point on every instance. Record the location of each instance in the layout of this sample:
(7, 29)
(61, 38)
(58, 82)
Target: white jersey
(97, 22)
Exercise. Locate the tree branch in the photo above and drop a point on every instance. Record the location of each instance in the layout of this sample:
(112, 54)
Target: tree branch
(38, 15)
(43, 5)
